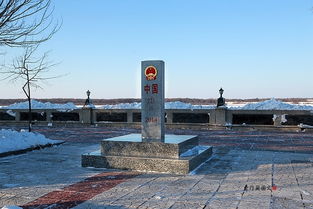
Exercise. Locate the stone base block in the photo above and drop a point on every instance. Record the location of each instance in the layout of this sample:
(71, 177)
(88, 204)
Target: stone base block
(186, 162)
(131, 145)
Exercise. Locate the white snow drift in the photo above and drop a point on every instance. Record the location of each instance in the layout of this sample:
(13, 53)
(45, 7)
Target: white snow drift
(271, 104)
(168, 105)
(11, 140)
(41, 105)
(11, 207)
(274, 104)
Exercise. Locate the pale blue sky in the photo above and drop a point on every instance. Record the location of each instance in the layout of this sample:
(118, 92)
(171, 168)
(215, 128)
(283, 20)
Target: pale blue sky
(251, 48)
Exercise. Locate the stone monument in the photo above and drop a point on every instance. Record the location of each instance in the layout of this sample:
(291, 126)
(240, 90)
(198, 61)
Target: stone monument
(151, 150)
(152, 101)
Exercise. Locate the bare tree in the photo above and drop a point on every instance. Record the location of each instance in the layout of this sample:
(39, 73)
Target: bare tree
(31, 70)
(26, 22)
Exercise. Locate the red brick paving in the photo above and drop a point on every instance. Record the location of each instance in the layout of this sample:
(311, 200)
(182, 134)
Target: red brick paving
(80, 192)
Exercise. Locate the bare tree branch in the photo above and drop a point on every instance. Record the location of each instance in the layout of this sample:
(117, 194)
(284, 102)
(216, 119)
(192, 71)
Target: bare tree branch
(26, 22)
(30, 69)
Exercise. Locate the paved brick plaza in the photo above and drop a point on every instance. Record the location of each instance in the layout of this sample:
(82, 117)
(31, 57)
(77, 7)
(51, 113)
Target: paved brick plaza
(247, 170)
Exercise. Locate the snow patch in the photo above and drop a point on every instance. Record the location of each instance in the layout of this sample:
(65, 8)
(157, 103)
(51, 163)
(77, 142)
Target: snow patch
(11, 207)
(301, 125)
(134, 105)
(11, 140)
(40, 105)
(157, 197)
(168, 105)
(305, 192)
(283, 118)
(271, 104)
(92, 106)
(10, 112)
(274, 104)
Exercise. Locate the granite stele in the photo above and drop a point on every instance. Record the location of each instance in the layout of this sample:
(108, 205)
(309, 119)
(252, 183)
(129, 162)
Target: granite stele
(152, 150)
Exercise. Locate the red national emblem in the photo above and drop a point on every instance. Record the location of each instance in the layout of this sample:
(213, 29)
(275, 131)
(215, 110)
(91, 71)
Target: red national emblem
(151, 73)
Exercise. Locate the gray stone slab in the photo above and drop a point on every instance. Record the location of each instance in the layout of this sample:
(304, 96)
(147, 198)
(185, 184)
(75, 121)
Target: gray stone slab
(303, 173)
(286, 203)
(171, 193)
(147, 192)
(262, 177)
(132, 146)
(152, 100)
(187, 205)
(183, 165)
(125, 189)
(287, 185)
(201, 192)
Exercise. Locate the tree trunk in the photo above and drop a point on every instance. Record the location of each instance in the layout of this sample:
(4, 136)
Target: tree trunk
(29, 106)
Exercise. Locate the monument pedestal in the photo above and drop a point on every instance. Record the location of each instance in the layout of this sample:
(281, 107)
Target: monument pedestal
(178, 154)
(152, 150)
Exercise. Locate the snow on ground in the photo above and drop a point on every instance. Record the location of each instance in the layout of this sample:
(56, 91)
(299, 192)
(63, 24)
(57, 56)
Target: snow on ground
(134, 105)
(40, 105)
(182, 105)
(274, 104)
(168, 105)
(11, 140)
(11, 207)
(271, 104)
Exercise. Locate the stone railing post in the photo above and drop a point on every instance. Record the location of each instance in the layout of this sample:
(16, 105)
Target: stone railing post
(17, 116)
(169, 117)
(86, 115)
(48, 116)
(220, 116)
(130, 116)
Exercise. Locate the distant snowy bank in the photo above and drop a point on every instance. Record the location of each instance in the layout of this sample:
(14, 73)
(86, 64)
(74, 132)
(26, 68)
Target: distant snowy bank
(40, 105)
(168, 105)
(11, 140)
(274, 104)
(271, 104)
